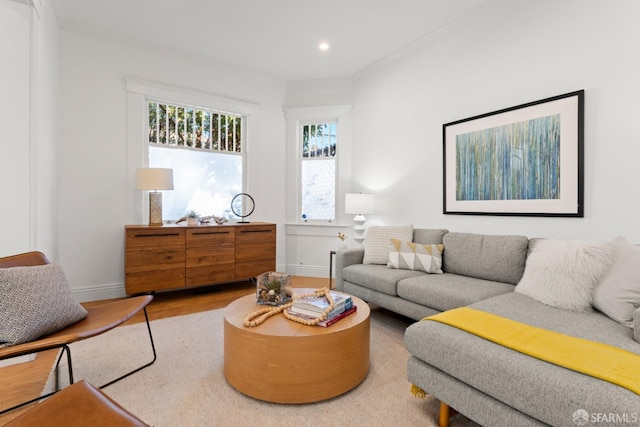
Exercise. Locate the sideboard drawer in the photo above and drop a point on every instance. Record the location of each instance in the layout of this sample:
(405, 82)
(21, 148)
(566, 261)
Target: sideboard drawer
(154, 237)
(210, 236)
(256, 234)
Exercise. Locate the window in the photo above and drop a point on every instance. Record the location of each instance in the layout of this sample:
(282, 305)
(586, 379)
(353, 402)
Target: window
(205, 149)
(318, 171)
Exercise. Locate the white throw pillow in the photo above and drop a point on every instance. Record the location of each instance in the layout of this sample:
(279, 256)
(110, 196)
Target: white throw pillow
(563, 273)
(376, 246)
(618, 293)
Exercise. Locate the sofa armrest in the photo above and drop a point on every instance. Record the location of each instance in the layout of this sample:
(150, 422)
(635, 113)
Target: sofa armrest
(636, 325)
(344, 258)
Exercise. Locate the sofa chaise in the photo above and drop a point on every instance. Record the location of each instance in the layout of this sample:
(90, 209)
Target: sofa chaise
(507, 276)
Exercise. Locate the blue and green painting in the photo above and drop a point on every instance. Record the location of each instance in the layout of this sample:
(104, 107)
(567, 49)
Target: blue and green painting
(517, 161)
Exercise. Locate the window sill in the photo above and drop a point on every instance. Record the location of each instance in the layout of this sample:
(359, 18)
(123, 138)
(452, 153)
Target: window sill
(311, 229)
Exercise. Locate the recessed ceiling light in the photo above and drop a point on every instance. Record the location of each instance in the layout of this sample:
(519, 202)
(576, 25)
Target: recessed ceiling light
(323, 46)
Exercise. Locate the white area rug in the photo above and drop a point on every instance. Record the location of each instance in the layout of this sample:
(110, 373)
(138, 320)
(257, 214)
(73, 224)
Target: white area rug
(186, 385)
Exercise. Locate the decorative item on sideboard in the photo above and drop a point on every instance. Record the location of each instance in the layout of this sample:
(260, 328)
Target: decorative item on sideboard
(154, 179)
(242, 205)
(192, 218)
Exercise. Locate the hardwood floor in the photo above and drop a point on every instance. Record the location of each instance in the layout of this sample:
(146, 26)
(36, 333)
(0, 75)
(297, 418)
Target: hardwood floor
(25, 381)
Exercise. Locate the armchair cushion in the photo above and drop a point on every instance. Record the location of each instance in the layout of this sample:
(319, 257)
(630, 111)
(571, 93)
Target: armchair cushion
(35, 301)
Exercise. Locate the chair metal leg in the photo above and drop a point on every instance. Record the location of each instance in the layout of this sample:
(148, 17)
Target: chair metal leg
(65, 349)
(153, 348)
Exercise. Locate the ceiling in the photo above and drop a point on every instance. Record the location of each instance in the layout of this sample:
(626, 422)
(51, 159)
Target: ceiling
(273, 38)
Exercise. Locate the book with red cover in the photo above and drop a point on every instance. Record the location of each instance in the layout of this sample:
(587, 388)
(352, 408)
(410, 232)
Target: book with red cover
(325, 323)
(339, 309)
(339, 317)
(320, 304)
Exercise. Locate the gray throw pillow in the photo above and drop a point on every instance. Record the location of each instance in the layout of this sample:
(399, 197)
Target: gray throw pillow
(35, 301)
(618, 293)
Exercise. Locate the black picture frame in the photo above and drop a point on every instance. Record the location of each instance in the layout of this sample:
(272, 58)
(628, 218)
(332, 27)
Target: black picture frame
(526, 160)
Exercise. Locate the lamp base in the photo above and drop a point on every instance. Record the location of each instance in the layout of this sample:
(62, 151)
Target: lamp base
(155, 209)
(358, 229)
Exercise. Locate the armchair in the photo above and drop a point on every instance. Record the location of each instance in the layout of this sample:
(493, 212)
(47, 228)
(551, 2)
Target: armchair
(100, 319)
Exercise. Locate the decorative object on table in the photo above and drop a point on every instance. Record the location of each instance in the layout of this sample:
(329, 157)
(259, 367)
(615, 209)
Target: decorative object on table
(311, 308)
(525, 160)
(258, 317)
(217, 219)
(192, 218)
(359, 204)
(314, 306)
(273, 288)
(331, 318)
(148, 179)
(242, 205)
(343, 241)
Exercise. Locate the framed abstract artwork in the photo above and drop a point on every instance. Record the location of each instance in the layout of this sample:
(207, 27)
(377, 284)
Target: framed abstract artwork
(526, 160)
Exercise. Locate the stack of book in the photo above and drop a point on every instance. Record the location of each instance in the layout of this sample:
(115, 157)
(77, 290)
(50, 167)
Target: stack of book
(312, 307)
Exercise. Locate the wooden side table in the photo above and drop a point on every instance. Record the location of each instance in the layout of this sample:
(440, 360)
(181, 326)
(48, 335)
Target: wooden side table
(282, 361)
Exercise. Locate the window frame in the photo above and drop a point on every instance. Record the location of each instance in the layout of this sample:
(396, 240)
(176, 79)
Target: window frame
(296, 117)
(301, 159)
(139, 92)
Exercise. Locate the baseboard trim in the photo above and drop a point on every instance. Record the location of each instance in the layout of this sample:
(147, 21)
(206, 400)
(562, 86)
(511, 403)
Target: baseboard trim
(307, 270)
(99, 292)
(116, 290)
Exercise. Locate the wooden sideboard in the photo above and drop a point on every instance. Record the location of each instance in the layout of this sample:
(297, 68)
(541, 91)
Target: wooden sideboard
(178, 256)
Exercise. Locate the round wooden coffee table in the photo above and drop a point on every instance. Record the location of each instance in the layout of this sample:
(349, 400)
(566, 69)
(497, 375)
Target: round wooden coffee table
(283, 361)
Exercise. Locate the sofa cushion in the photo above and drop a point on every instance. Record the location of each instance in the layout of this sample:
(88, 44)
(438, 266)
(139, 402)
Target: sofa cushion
(415, 256)
(448, 291)
(563, 273)
(377, 277)
(489, 257)
(618, 293)
(35, 301)
(376, 247)
(429, 235)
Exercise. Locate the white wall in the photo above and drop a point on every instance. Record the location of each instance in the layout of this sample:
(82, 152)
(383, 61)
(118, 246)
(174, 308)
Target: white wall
(44, 128)
(504, 54)
(28, 82)
(96, 185)
(15, 162)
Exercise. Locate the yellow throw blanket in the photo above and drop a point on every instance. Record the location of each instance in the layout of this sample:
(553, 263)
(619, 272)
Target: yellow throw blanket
(598, 360)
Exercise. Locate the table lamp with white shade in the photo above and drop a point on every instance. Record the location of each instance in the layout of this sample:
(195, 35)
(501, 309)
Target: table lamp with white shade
(359, 204)
(154, 179)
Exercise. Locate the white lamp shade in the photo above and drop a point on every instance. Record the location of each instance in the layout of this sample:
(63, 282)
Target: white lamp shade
(154, 179)
(358, 203)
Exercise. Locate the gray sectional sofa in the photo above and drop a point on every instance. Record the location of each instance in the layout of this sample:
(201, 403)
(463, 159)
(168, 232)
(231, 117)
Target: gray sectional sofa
(488, 383)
